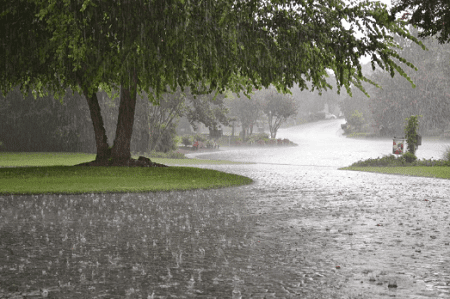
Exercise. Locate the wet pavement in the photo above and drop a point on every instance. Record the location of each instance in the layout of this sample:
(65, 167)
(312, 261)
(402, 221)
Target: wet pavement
(304, 229)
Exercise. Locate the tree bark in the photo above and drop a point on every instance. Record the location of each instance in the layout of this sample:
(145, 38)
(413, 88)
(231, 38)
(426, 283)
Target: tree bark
(101, 140)
(121, 150)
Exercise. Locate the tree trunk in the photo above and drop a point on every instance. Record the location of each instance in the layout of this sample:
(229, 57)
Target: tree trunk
(273, 133)
(122, 143)
(244, 132)
(101, 140)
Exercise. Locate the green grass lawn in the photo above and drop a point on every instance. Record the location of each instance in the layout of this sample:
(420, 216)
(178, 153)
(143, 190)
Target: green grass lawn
(442, 172)
(70, 159)
(37, 173)
(404, 165)
(43, 159)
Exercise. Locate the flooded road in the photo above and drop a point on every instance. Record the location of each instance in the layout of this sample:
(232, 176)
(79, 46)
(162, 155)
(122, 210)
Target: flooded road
(379, 235)
(304, 229)
(322, 144)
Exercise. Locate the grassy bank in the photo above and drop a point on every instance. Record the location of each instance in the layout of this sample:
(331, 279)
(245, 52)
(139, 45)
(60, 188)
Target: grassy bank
(37, 173)
(442, 172)
(400, 165)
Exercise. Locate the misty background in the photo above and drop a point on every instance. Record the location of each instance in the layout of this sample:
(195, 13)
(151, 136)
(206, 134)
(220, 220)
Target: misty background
(32, 124)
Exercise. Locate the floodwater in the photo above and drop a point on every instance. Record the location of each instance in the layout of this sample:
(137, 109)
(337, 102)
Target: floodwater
(304, 229)
(322, 144)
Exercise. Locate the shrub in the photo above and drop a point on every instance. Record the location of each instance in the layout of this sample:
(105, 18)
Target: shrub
(389, 160)
(177, 140)
(165, 141)
(260, 136)
(199, 137)
(168, 155)
(186, 140)
(446, 155)
(224, 140)
(409, 157)
(356, 120)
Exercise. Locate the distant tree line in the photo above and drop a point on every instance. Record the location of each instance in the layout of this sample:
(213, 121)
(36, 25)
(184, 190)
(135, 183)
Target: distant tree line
(156, 45)
(45, 124)
(265, 106)
(32, 124)
(388, 107)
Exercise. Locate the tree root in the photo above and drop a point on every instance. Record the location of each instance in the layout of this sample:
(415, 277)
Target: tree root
(140, 162)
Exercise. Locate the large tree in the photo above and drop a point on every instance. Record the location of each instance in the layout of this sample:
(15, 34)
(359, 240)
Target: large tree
(205, 44)
(246, 110)
(277, 107)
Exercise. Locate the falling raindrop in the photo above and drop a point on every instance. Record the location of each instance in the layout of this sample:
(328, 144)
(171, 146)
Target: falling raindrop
(202, 252)
(191, 282)
(236, 293)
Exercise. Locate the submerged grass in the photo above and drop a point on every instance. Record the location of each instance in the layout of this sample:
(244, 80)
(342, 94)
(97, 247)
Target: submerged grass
(38, 173)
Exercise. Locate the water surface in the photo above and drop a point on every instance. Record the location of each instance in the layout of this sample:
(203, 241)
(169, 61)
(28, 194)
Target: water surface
(304, 229)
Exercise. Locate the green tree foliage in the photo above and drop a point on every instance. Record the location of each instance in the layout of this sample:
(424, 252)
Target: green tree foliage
(208, 109)
(433, 16)
(208, 45)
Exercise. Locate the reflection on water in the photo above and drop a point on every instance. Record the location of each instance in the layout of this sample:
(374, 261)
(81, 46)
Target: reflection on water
(123, 245)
